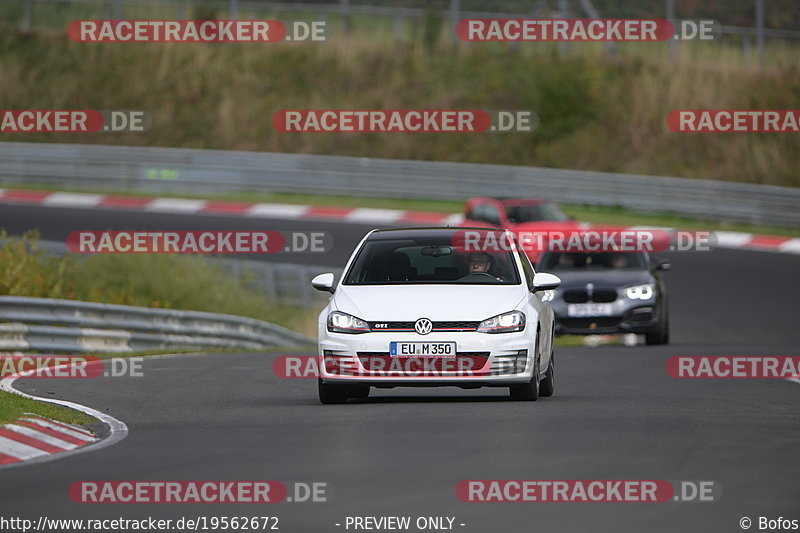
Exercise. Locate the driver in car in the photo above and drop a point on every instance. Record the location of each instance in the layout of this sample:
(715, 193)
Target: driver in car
(480, 263)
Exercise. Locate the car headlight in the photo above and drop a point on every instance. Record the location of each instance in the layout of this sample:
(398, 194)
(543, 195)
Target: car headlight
(343, 323)
(505, 323)
(640, 292)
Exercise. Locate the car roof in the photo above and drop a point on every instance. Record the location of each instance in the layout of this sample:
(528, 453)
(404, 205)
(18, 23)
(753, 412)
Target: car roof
(414, 233)
(523, 201)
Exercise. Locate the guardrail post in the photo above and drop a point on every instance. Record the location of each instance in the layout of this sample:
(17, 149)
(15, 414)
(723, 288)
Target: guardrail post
(234, 9)
(455, 14)
(563, 12)
(344, 11)
(746, 49)
(26, 15)
(269, 282)
(671, 19)
(302, 286)
(117, 9)
(398, 28)
(760, 30)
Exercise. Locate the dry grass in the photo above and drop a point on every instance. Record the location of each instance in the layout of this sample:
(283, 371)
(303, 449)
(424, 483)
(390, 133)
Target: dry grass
(597, 113)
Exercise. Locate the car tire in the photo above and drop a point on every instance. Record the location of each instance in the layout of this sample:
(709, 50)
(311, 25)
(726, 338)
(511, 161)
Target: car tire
(527, 392)
(331, 394)
(358, 391)
(547, 385)
(660, 335)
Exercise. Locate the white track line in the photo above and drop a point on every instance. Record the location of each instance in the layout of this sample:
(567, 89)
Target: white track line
(175, 205)
(732, 239)
(277, 210)
(791, 246)
(378, 216)
(118, 430)
(68, 199)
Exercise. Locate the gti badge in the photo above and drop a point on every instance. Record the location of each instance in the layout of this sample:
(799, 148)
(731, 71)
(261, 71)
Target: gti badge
(423, 326)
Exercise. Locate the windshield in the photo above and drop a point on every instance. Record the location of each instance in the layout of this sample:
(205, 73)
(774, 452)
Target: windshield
(429, 260)
(591, 261)
(534, 213)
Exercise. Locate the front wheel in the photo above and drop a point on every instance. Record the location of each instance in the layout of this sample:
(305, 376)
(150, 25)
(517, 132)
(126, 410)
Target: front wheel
(331, 394)
(527, 391)
(659, 336)
(547, 386)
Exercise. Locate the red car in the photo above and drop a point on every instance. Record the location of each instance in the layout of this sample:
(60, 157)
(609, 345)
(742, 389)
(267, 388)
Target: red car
(520, 215)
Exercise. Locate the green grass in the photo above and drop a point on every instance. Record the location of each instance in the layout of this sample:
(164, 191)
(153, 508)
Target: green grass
(149, 280)
(12, 406)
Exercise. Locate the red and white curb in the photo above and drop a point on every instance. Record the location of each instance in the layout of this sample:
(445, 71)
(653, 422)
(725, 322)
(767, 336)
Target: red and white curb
(259, 210)
(33, 437)
(365, 215)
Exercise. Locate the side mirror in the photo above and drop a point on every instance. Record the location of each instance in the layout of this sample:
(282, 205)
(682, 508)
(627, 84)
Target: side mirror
(323, 282)
(663, 264)
(545, 282)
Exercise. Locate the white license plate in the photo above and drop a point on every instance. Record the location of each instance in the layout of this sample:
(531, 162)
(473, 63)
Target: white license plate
(422, 349)
(590, 310)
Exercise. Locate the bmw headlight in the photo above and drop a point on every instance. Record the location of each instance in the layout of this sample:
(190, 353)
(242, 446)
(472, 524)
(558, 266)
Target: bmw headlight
(339, 322)
(505, 323)
(640, 292)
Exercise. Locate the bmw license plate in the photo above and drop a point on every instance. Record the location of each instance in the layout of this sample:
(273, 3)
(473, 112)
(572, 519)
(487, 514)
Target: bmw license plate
(424, 349)
(590, 310)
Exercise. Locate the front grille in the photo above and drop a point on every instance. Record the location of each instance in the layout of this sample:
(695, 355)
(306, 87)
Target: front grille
(604, 295)
(586, 323)
(581, 296)
(574, 296)
(437, 326)
(382, 361)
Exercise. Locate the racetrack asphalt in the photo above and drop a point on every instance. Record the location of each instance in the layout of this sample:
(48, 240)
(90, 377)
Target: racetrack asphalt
(616, 414)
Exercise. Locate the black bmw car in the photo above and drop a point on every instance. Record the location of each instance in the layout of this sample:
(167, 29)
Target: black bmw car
(609, 292)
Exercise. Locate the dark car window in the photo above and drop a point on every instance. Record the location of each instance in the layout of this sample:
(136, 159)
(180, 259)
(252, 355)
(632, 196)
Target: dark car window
(484, 213)
(592, 261)
(534, 213)
(427, 260)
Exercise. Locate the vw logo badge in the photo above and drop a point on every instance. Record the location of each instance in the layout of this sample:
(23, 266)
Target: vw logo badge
(423, 326)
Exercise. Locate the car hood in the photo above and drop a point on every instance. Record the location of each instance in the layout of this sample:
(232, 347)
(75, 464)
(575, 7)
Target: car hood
(603, 278)
(438, 302)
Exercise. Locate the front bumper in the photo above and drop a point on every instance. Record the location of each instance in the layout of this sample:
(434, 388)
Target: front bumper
(482, 359)
(640, 319)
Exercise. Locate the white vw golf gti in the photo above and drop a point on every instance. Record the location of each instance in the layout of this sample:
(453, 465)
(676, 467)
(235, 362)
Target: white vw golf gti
(436, 307)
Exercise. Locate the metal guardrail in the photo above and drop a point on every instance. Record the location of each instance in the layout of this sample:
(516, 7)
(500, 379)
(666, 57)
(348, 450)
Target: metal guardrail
(115, 9)
(158, 170)
(71, 326)
(280, 283)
